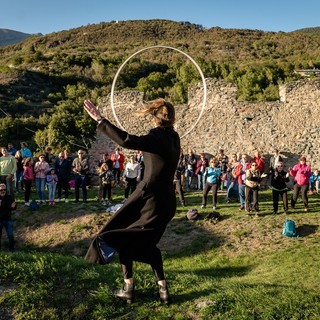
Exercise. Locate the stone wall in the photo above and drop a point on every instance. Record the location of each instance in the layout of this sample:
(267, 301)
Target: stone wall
(292, 125)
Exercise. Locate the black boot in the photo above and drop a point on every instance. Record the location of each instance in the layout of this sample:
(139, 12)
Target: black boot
(125, 293)
(164, 294)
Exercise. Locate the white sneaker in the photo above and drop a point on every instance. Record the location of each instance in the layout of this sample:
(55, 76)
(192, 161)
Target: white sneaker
(203, 206)
(27, 204)
(67, 200)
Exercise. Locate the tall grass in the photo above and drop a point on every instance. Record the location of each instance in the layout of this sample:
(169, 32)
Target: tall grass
(240, 268)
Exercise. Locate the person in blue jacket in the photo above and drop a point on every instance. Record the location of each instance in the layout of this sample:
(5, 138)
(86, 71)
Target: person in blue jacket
(212, 176)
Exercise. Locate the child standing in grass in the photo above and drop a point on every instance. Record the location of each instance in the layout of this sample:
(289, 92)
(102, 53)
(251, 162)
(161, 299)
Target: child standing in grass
(52, 180)
(107, 179)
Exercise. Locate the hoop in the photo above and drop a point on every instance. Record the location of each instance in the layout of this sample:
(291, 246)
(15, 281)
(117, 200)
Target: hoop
(166, 47)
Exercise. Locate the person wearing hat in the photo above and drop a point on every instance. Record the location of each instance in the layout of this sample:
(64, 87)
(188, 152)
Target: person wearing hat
(301, 173)
(137, 227)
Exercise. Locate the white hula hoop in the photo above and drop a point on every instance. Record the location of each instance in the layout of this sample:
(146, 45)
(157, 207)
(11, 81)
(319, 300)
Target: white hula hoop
(165, 47)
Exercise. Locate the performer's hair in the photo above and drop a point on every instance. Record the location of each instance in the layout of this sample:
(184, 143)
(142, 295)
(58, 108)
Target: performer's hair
(162, 111)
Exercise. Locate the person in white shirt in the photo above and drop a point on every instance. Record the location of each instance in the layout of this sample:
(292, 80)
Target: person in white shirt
(8, 168)
(131, 176)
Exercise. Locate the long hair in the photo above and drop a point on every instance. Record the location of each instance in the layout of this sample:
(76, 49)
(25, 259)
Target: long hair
(162, 111)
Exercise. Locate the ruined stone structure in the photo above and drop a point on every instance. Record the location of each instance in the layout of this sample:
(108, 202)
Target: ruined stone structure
(292, 124)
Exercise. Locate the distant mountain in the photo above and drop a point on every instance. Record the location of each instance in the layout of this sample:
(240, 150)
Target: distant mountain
(8, 37)
(313, 30)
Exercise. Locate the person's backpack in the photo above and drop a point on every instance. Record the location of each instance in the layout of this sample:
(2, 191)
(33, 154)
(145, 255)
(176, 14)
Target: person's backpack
(192, 214)
(289, 229)
(33, 205)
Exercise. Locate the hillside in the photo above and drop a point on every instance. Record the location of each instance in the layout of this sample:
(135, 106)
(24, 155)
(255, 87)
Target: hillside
(8, 37)
(42, 73)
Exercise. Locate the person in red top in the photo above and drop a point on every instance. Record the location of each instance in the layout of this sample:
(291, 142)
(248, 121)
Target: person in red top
(201, 166)
(301, 173)
(240, 173)
(259, 160)
(118, 161)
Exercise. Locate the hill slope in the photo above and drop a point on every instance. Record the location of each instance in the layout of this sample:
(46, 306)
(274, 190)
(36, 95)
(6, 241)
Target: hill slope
(8, 37)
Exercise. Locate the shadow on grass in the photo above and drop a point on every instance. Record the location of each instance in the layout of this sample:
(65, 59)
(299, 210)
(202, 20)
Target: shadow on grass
(306, 229)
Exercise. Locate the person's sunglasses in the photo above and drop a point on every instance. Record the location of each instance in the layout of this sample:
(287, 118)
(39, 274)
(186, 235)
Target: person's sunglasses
(3, 190)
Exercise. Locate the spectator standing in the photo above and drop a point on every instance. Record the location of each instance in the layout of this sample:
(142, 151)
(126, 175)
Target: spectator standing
(52, 180)
(41, 169)
(201, 167)
(252, 182)
(301, 173)
(50, 157)
(28, 178)
(139, 159)
(80, 168)
(240, 173)
(259, 160)
(223, 161)
(19, 172)
(7, 204)
(118, 161)
(107, 178)
(103, 188)
(212, 176)
(11, 149)
(131, 172)
(183, 161)
(279, 179)
(274, 159)
(8, 168)
(315, 181)
(190, 161)
(63, 171)
(177, 179)
(25, 151)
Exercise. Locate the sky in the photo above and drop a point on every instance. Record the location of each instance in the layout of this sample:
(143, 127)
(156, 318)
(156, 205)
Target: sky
(47, 16)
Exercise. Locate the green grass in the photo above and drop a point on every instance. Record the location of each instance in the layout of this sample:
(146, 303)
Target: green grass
(240, 268)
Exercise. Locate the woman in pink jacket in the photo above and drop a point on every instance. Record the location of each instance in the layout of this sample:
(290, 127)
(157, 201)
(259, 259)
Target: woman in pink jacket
(301, 173)
(28, 178)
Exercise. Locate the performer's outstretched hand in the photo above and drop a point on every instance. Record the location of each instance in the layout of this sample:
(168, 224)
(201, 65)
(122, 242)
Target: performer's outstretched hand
(92, 110)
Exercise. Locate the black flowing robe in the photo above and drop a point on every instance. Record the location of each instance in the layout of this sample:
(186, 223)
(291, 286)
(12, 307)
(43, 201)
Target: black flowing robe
(139, 224)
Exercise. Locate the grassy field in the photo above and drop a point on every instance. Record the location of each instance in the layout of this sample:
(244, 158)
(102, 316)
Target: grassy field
(238, 268)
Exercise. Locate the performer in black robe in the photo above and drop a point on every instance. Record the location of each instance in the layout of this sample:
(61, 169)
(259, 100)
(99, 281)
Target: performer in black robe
(137, 227)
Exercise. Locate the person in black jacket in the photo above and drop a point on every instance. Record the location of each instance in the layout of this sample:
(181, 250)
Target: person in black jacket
(136, 228)
(63, 170)
(279, 178)
(7, 204)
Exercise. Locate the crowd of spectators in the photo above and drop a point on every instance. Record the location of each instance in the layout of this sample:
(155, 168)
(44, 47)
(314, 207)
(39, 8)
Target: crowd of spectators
(240, 177)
